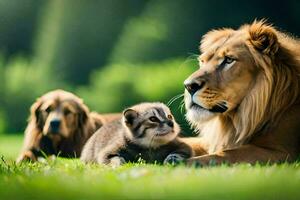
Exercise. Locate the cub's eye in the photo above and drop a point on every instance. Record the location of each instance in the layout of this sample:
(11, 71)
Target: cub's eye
(154, 119)
(67, 111)
(170, 117)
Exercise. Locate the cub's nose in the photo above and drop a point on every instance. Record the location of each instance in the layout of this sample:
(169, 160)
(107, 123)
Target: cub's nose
(192, 86)
(170, 123)
(54, 124)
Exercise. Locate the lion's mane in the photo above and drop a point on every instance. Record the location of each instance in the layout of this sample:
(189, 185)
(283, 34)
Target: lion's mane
(276, 88)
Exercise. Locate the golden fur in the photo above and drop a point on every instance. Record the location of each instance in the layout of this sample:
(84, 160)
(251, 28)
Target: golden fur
(251, 78)
(60, 124)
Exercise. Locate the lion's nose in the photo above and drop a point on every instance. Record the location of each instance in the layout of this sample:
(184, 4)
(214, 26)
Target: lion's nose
(192, 86)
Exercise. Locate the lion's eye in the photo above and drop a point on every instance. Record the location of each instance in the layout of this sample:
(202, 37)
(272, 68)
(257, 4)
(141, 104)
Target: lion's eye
(154, 119)
(227, 63)
(228, 60)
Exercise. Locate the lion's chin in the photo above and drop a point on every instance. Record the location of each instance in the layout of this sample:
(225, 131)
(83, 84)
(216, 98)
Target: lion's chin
(197, 114)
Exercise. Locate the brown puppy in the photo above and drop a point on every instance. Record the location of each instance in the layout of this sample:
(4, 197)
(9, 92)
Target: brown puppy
(60, 124)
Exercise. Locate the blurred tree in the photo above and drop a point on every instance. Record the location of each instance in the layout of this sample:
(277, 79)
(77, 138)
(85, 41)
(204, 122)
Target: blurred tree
(132, 38)
(292, 8)
(21, 84)
(76, 36)
(174, 28)
(2, 89)
(17, 25)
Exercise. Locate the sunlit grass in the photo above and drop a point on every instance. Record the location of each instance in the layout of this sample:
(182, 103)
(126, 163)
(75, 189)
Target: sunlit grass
(10, 145)
(70, 179)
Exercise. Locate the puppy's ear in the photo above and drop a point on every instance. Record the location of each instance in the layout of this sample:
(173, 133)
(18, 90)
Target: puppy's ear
(83, 114)
(130, 116)
(98, 119)
(263, 37)
(35, 113)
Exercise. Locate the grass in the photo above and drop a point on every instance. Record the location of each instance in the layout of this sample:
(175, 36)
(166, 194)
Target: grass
(10, 145)
(70, 179)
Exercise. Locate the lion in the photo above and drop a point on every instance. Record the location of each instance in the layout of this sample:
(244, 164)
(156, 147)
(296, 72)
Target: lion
(60, 124)
(244, 100)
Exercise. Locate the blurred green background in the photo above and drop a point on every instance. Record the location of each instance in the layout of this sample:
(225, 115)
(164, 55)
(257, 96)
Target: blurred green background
(112, 53)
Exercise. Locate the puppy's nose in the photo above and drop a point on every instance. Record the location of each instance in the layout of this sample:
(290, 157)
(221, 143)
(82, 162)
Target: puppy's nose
(170, 123)
(192, 86)
(54, 124)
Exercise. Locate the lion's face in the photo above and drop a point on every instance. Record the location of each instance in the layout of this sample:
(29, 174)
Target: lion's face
(59, 114)
(227, 71)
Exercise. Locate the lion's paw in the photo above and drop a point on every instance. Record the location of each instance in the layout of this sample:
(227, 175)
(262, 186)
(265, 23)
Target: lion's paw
(174, 159)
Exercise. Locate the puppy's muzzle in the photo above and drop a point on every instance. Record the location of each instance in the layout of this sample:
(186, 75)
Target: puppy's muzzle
(54, 126)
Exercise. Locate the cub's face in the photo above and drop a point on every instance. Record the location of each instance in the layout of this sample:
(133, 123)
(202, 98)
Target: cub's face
(151, 124)
(226, 73)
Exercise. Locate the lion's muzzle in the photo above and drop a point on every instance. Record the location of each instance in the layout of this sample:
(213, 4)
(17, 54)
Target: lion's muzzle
(194, 87)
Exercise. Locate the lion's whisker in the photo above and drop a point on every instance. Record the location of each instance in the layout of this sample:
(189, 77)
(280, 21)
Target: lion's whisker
(181, 106)
(191, 57)
(221, 105)
(173, 99)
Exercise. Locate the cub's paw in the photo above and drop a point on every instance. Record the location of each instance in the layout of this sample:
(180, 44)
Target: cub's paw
(116, 161)
(174, 159)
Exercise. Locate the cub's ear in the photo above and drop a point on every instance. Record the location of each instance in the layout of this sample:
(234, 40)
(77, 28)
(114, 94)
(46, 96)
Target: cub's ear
(129, 116)
(263, 37)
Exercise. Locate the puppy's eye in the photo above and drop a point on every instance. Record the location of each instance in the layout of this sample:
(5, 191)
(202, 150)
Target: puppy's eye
(154, 119)
(67, 111)
(49, 109)
(170, 117)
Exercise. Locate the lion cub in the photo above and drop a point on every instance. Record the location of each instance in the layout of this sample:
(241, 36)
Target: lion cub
(146, 131)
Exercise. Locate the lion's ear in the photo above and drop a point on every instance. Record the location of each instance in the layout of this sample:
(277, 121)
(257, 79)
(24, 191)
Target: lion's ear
(263, 37)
